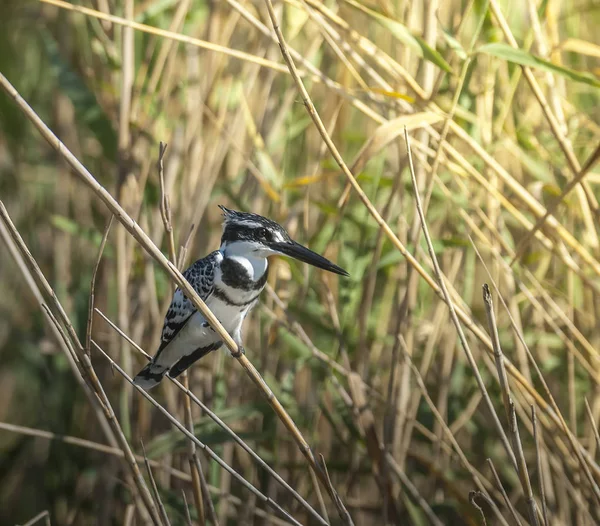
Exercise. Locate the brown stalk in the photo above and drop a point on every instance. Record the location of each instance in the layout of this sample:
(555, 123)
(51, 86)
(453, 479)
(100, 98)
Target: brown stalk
(551, 210)
(474, 497)
(165, 205)
(538, 460)
(342, 511)
(414, 492)
(509, 505)
(114, 451)
(191, 396)
(523, 474)
(539, 95)
(453, 315)
(197, 442)
(137, 233)
(157, 499)
(188, 518)
(592, 422)
(88, 330)
(585, 461)
(124, 156)
(81, 359)
(42, 515)
(195, 467)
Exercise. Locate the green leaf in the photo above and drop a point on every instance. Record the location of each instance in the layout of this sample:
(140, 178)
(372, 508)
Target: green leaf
(523, 58)
(454, 45)
(403, 34)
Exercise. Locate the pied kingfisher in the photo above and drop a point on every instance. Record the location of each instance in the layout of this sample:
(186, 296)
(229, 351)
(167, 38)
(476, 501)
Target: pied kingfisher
(229, 281)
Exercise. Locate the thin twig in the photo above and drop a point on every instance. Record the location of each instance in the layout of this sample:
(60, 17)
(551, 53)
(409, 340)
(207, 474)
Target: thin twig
(343, 512)
(161, 506)
(538, 460)
(80, 358)
(222, 425)
(165, 205)
(88, 330)
(524, 243)
(523, 474)
(183, 250)
(134, 229)
(190, 436)
(509, 407)
(414, 492)
(461, 335)
(592, 422)
(195, 467)
(188, 518)
(473, 496)
(509, 505)
(42, 515)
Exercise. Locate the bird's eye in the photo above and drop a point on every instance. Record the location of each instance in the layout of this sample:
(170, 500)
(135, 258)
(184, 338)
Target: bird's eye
(263, 233)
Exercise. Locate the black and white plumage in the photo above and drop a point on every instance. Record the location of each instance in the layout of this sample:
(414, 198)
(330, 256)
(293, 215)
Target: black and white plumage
(229, 281)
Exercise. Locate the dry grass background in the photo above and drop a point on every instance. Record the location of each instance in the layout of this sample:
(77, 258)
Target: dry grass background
(415, 424)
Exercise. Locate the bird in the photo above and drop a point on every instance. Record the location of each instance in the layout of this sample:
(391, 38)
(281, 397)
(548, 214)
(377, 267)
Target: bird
(229, 280)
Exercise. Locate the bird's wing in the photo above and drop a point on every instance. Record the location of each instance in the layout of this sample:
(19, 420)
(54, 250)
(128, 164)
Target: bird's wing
(200, 275)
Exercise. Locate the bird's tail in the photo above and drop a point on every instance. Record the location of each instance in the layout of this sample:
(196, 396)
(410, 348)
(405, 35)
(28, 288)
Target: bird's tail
(150, 376)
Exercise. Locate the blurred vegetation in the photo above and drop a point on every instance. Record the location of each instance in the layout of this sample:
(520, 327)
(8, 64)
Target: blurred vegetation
(238, 134)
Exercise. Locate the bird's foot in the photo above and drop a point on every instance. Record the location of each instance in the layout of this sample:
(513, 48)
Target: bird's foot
(239, 352)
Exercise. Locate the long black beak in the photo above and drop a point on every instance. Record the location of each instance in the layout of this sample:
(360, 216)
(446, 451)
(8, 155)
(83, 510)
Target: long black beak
(297, 251)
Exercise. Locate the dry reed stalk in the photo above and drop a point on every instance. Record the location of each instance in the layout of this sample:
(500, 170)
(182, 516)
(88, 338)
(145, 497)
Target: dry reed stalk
(538, 460)
(72, 343)
(235, 437)
(42, 515)
(584, 460)
(188, 517)
(453, 315)
(464, 317)
(477, 477)
(116, 452)
(509, 505)
(165, 204)
(195, 467)
(167, 34)
(553, 207)
(142, 238)
(88, 330)
(155, 494)
(414, 492)
(509, 406)
(197, 442)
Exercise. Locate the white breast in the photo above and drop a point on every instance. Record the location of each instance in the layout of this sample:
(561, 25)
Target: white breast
(242, 252)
